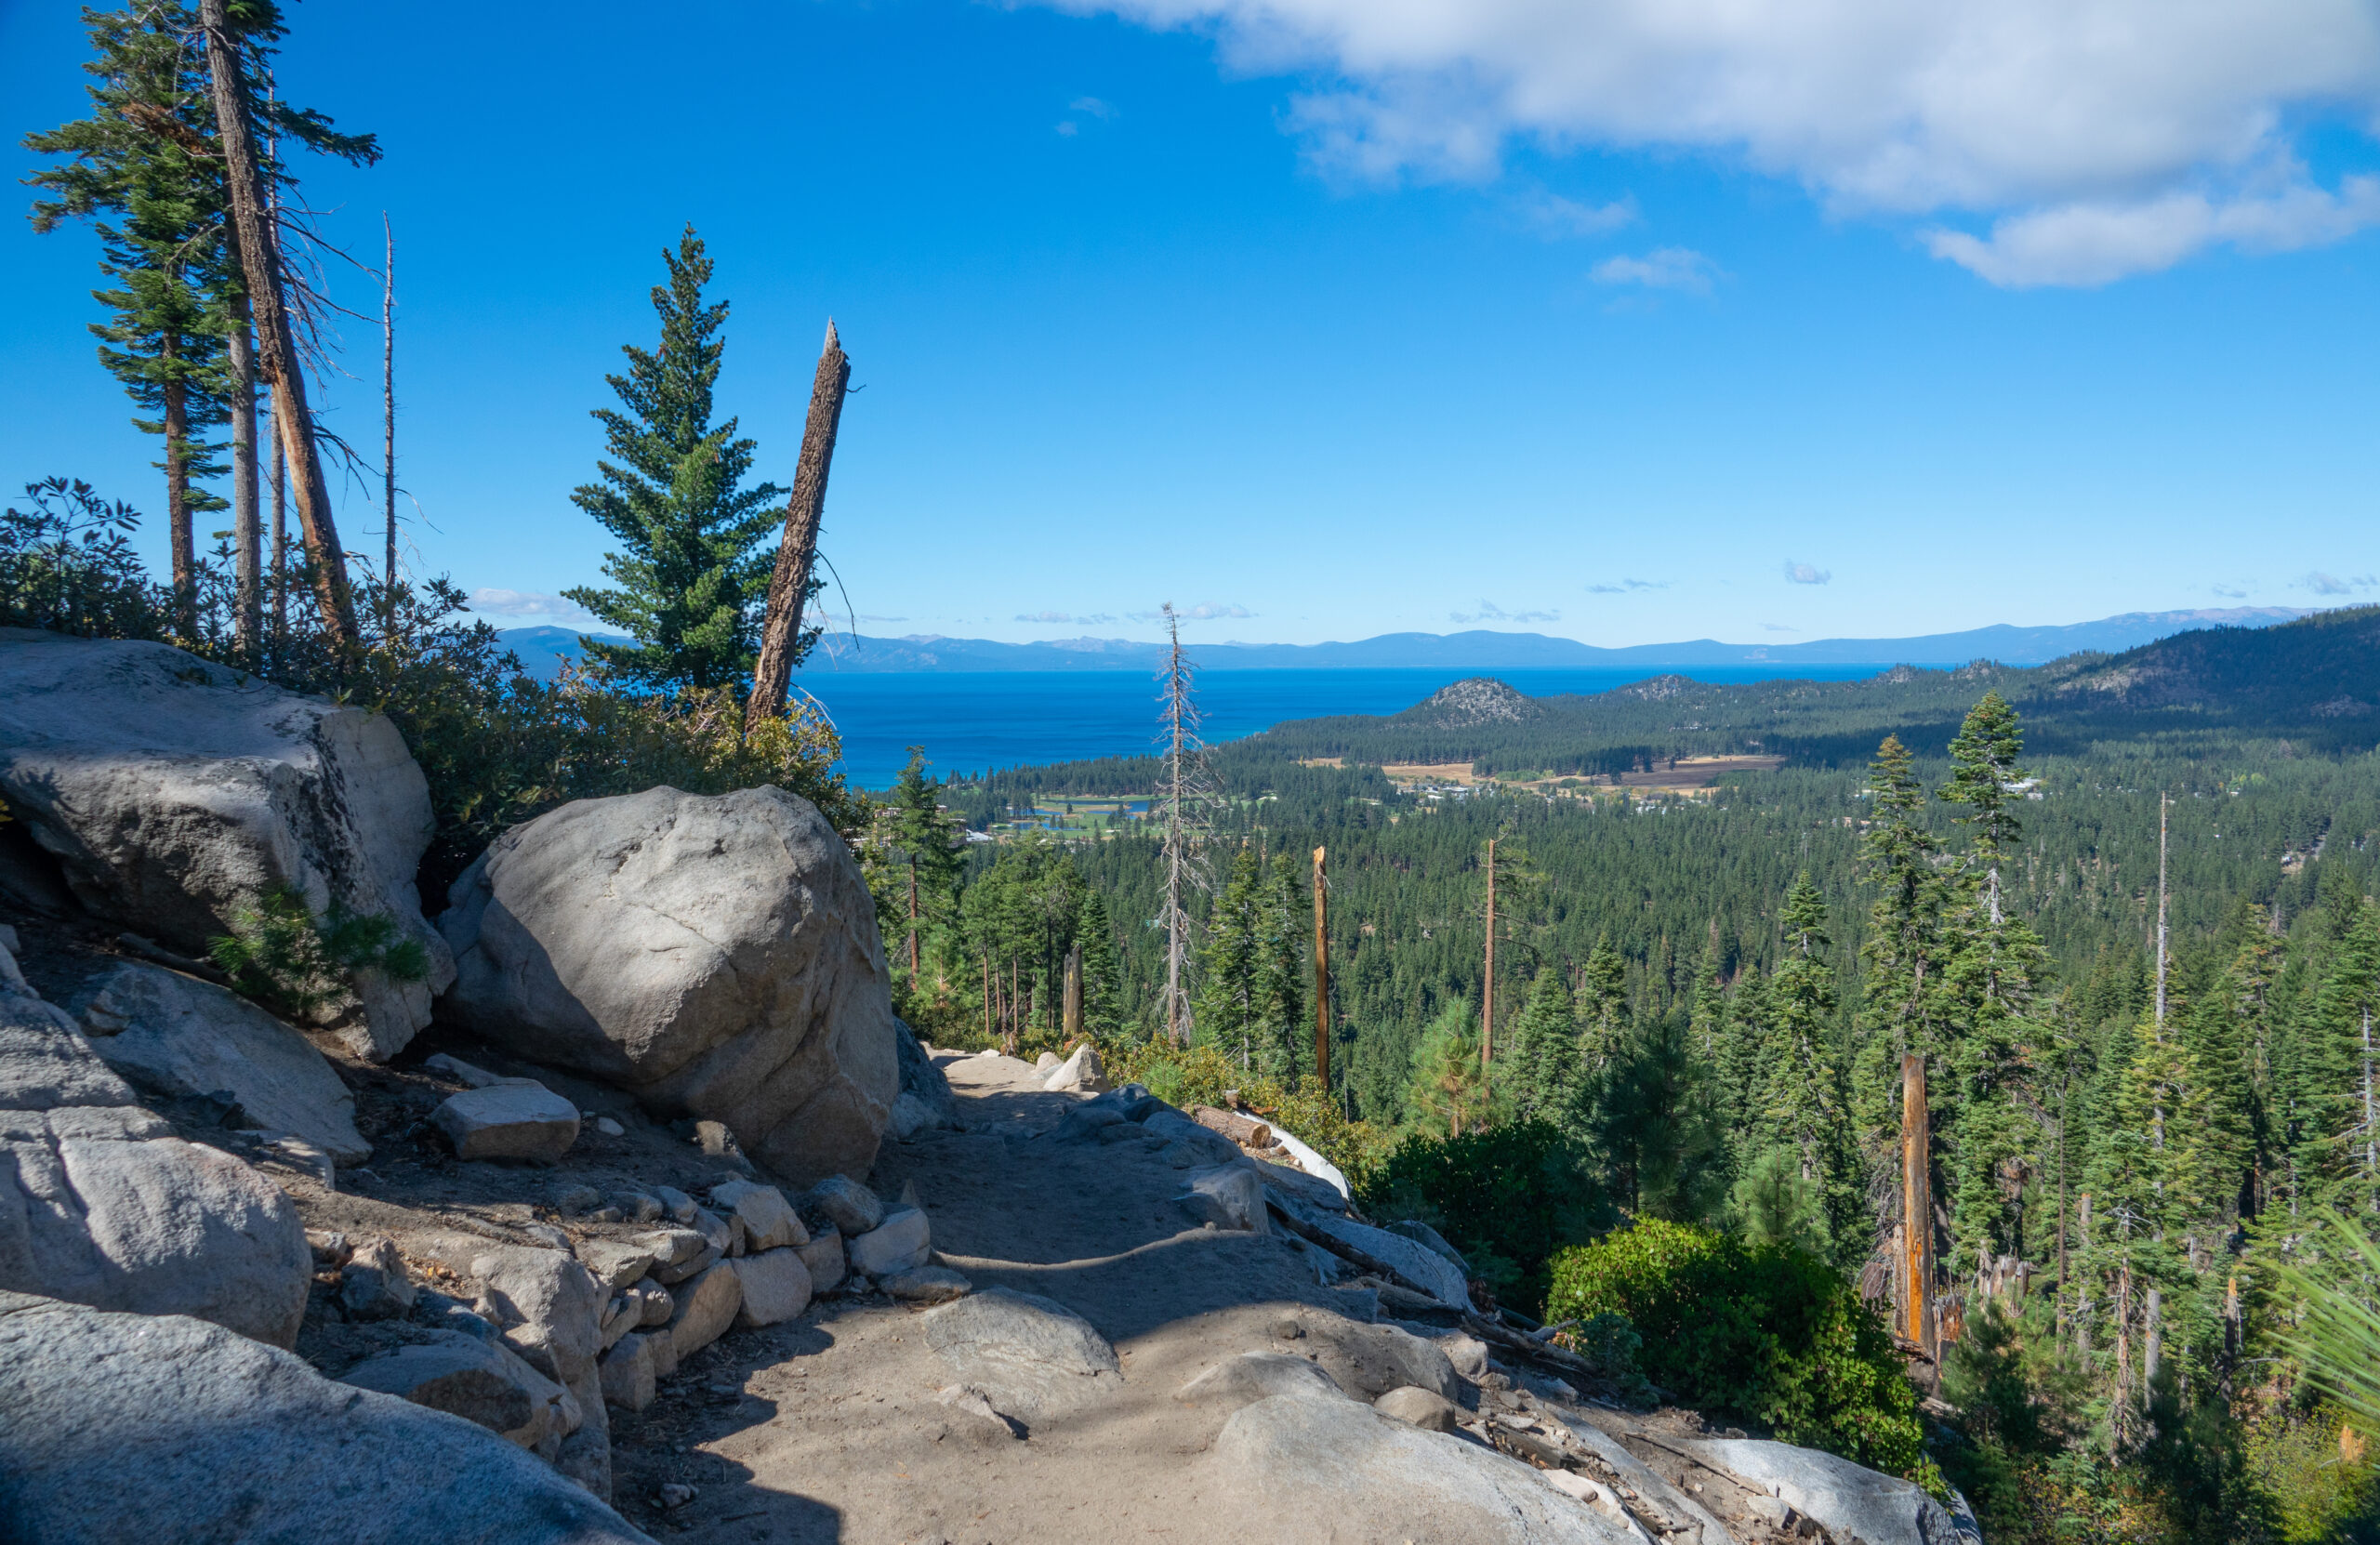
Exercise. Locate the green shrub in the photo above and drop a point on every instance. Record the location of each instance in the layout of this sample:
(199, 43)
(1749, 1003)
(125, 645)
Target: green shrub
(1768, 1333)
(1508, 1199)
(1199, 1075)
(280, 953)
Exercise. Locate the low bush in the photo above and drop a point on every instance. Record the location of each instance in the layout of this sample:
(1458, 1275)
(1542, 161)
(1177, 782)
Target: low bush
(1768, 1333)
(1507, 1198)
(1200, 1075)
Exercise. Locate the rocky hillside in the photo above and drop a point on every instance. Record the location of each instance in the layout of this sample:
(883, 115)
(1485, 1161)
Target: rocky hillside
(618, 1205)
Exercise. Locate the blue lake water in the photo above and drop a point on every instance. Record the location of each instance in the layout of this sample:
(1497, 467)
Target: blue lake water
(972, 720)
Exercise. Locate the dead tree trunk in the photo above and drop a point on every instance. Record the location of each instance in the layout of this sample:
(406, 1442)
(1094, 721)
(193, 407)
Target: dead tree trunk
(389, 429)
(1321, 981)
(789, 586)
(1070, 1027)
(277, 344)
(1916, 1203)
(246, 537)
(280, 543)
(1487, 988)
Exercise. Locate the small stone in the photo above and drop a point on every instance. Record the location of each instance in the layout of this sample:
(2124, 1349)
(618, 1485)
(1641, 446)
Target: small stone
(331, 1250)
(850, 1206)
(610, 1127)
(1289, 1329)
(1045, 1061)
(670, 1277)
(1424, 1408)
(614, 1263)
(706, 1308)
(573, 1200)
(659, 1302)
(676, 1494)
(461, 1071)
(767, 1218)
(604, 1215)
(927, 1285)
(374, 1285)
(1227, 1196)
(1770, 1510)
(626, 1373)
(909, 1194)
(776, 1287)
(637, 1206)
(511, 1121)
(547, 1235)
(902, 1241)
(714, 1138)
(675, 1203)
(824, 1257)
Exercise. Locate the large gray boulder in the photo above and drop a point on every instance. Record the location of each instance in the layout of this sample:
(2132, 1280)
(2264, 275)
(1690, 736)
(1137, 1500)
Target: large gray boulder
(101, 1204)
(1032, 1356)
(1850, 1500)
(716, 956)
(173, 793)
(1306, 1468)
(176, 1035)
(173, 1432)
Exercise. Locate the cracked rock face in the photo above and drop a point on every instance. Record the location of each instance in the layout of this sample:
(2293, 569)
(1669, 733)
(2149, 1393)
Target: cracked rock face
(716, 956)
(173, 792)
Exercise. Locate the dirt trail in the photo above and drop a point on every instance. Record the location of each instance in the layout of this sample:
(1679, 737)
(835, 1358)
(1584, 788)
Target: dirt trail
(828, 1428)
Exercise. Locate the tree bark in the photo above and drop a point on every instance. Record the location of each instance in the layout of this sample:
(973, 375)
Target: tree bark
(1070, 1029)
(246, 537)
(280, 542)
(1917, 1207)
(1321, 981)
(177, 492)
(389, 429)
(260, 261)
(789, 586)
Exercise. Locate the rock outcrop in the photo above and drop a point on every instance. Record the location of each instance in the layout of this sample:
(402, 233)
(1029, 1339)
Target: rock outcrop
(101, 1204)
(174, 793)
(717, 957)
(176, 1037)
(198, 1436)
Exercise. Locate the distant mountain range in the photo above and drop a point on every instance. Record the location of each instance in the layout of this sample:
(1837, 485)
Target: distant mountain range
(543, 649)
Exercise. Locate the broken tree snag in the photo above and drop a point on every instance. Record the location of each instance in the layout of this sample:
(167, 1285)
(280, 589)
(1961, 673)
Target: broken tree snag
(276, 343)
(789, 586)
(1917, 1230)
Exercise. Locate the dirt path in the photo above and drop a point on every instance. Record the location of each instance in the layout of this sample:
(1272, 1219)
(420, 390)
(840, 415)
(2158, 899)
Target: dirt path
(828, 1428)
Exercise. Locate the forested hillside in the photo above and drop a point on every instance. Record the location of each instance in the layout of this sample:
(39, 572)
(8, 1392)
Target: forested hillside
(1707, 996)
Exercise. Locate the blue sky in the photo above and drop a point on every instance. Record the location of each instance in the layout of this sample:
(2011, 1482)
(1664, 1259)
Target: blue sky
(1340, 317)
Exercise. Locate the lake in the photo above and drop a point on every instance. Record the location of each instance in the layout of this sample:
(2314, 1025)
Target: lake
(969, 721)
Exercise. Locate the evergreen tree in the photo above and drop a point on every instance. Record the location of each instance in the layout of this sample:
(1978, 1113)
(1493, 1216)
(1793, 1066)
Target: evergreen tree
(1281, 975)
(1984, 778)
(1904, 996)
(2349, 1110)
(1541, 1076)
(1805, 1096)
(1653, 1122)
(1743, 1063)
(1601, 1005)
(1102, 985)
(1445, 1097)
(923, 831)
(691, 578)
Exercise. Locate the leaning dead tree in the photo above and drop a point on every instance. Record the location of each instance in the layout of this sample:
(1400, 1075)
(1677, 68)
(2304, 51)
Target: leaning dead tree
(277, 344)
(789, 586)
(389, 426)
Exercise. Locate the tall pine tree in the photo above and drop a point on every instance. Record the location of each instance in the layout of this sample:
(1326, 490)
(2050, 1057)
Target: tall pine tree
(690, 576)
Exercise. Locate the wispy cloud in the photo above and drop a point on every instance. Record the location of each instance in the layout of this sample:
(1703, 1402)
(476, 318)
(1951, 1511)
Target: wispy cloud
(1088, 107)
(1045, 617)
(1552, 216)
(1489, 612)
(2332, 584)
(865, 616)
(1777, 628)
(1626, 585)
(2229, 593)
(1204, 612)
(1665, 268)
(494, 601)
(1806, 573)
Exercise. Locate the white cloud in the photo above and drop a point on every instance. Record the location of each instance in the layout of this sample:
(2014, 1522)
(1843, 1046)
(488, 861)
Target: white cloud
(1777, 628)
(1489, 612)
(1806, 573)
(1554, 216)
(1626, 585)
(1206, 612)
(1667, 268)
(2100, 136)
(1045, 617)
(495, 602)
(1069, 129)
(2332, 584)
(2229, 593)
(1093, 106)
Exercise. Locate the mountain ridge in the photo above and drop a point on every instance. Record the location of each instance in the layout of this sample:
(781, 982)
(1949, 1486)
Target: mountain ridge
(1479, 649)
